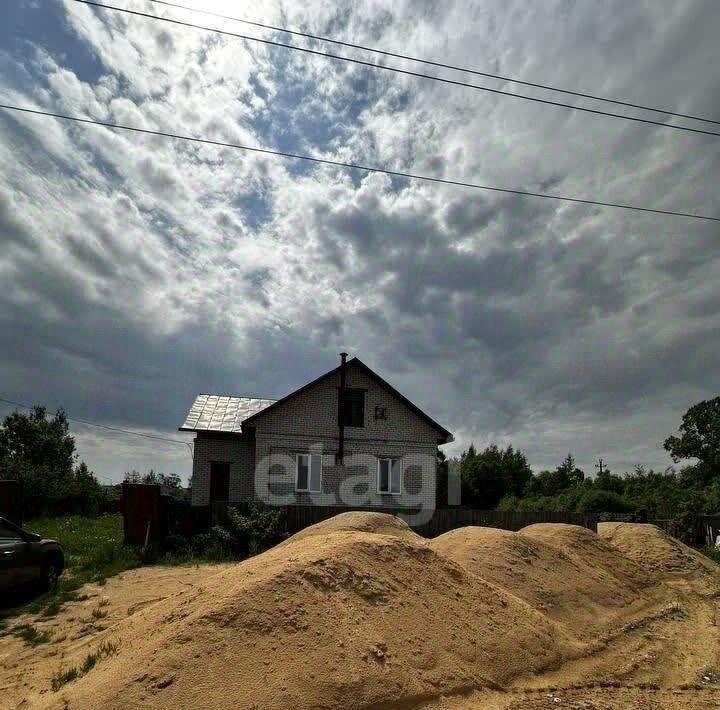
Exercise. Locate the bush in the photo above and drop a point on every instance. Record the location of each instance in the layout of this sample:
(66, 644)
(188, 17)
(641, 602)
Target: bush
(249, 532)
(602, 501)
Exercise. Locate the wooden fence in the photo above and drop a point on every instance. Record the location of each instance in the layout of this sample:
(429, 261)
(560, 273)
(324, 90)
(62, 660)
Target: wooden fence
(11, 504)
(298, 517)
(150, 516)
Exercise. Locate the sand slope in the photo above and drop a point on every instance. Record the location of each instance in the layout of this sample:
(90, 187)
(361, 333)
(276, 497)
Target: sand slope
(341, 619)
(565, 571)
(657, 552)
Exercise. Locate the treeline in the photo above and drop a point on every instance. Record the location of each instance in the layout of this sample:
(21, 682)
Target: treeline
(502, 478)
(39, 451)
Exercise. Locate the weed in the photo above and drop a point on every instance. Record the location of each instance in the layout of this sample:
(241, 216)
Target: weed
(53, 607)
(31, 635)
(98, 613)
(63, 676)
(67, 675)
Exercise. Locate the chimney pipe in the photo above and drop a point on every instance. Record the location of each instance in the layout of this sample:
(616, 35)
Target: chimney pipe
(341, 411)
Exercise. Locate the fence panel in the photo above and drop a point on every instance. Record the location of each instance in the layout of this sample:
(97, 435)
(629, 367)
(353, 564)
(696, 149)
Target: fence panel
(11, 505)
(298, 517)
(144, 518)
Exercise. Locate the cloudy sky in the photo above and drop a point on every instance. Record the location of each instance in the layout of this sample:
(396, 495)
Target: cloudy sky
(137, 271)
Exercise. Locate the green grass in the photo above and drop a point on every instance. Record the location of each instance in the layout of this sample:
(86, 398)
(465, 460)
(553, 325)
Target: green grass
(30, 634)
(94, 551)
(67, 675)
(713, 553)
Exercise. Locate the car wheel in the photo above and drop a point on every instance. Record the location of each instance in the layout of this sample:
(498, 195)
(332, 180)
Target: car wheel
(50, 576)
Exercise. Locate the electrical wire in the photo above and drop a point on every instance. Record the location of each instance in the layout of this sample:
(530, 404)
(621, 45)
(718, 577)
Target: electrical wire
(103, 426)
(432, 63)
(406, 72)
(356, 166)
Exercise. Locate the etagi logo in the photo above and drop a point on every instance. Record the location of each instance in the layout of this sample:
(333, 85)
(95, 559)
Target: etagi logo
(363, 480)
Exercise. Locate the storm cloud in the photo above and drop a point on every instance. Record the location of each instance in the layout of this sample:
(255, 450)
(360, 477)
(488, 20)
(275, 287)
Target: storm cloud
(137, 271)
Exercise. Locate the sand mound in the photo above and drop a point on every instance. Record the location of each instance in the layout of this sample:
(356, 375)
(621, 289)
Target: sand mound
(360, 521)
(659, 553)
(565, 571)
(343, 619)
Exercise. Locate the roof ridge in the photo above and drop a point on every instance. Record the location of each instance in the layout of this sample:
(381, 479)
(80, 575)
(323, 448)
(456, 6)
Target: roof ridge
(235, 396)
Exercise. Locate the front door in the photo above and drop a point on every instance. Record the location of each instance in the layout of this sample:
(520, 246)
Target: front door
(219, 482)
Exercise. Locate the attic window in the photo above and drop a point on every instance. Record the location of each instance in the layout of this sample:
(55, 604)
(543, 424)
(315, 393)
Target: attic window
(352, 408)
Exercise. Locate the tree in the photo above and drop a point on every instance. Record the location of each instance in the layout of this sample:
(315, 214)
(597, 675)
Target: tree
(39, 451)
(550, 483)
(441, 480)
(35, 440)
(490, 475)
(170, 483)
(699, 435)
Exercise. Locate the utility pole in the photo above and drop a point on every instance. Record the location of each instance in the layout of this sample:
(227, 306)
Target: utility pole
(600, 466)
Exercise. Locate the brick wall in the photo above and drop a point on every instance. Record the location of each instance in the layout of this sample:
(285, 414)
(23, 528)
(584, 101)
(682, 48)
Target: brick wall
(308, 424)
(238, 452)
(355, 483)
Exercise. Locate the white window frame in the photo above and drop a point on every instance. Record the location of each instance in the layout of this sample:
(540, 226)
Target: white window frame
(309, 475)
(389, 492)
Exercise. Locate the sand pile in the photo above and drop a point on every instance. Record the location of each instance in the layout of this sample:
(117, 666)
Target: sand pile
(565, 571)
(360, 521)
(660, 554)
(359, 612)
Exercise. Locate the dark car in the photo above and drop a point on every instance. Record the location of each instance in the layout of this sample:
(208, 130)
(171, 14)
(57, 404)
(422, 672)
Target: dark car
(27, 558)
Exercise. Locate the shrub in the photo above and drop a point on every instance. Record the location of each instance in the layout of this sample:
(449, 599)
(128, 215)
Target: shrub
(602, 501)
(248, 532)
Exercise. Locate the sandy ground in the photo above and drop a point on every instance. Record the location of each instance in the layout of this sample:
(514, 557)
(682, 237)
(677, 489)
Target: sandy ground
(26, 671)
(359, 612)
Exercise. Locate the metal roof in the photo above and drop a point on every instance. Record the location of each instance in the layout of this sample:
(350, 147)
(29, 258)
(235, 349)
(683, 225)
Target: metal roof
(213, 412)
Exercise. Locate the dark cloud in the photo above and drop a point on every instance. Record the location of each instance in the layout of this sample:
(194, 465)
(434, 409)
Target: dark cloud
(142, 271)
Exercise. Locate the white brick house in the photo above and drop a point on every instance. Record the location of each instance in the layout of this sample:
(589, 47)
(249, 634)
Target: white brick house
(346, 438)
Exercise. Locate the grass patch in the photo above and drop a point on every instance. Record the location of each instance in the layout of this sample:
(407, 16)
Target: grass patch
(98, 613)
(94, 551)
(713, 553)
(63, 676)
(30, 634)
(71, 673)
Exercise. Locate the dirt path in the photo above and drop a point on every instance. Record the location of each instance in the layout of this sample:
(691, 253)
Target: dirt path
(26, 670)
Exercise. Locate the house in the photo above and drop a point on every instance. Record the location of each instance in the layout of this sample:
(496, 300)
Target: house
(347, 438)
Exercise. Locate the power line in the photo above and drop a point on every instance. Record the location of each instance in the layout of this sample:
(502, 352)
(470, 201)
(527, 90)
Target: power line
(103, 426)
(432, 63)
(397, 70)
(356, 166)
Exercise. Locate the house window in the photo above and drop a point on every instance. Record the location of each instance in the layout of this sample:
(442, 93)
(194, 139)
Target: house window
(389, 476)
(308, 473)
(352, 408)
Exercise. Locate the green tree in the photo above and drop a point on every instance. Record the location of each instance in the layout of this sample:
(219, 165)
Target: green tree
(34, 439)
(39, 451)
(550, 483)
(441, 478)
(699, 435)
(170, 483)
(491, 474)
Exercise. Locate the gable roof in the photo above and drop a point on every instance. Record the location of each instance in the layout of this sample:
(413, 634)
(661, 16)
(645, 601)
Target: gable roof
(355, 362)
(212, 412)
